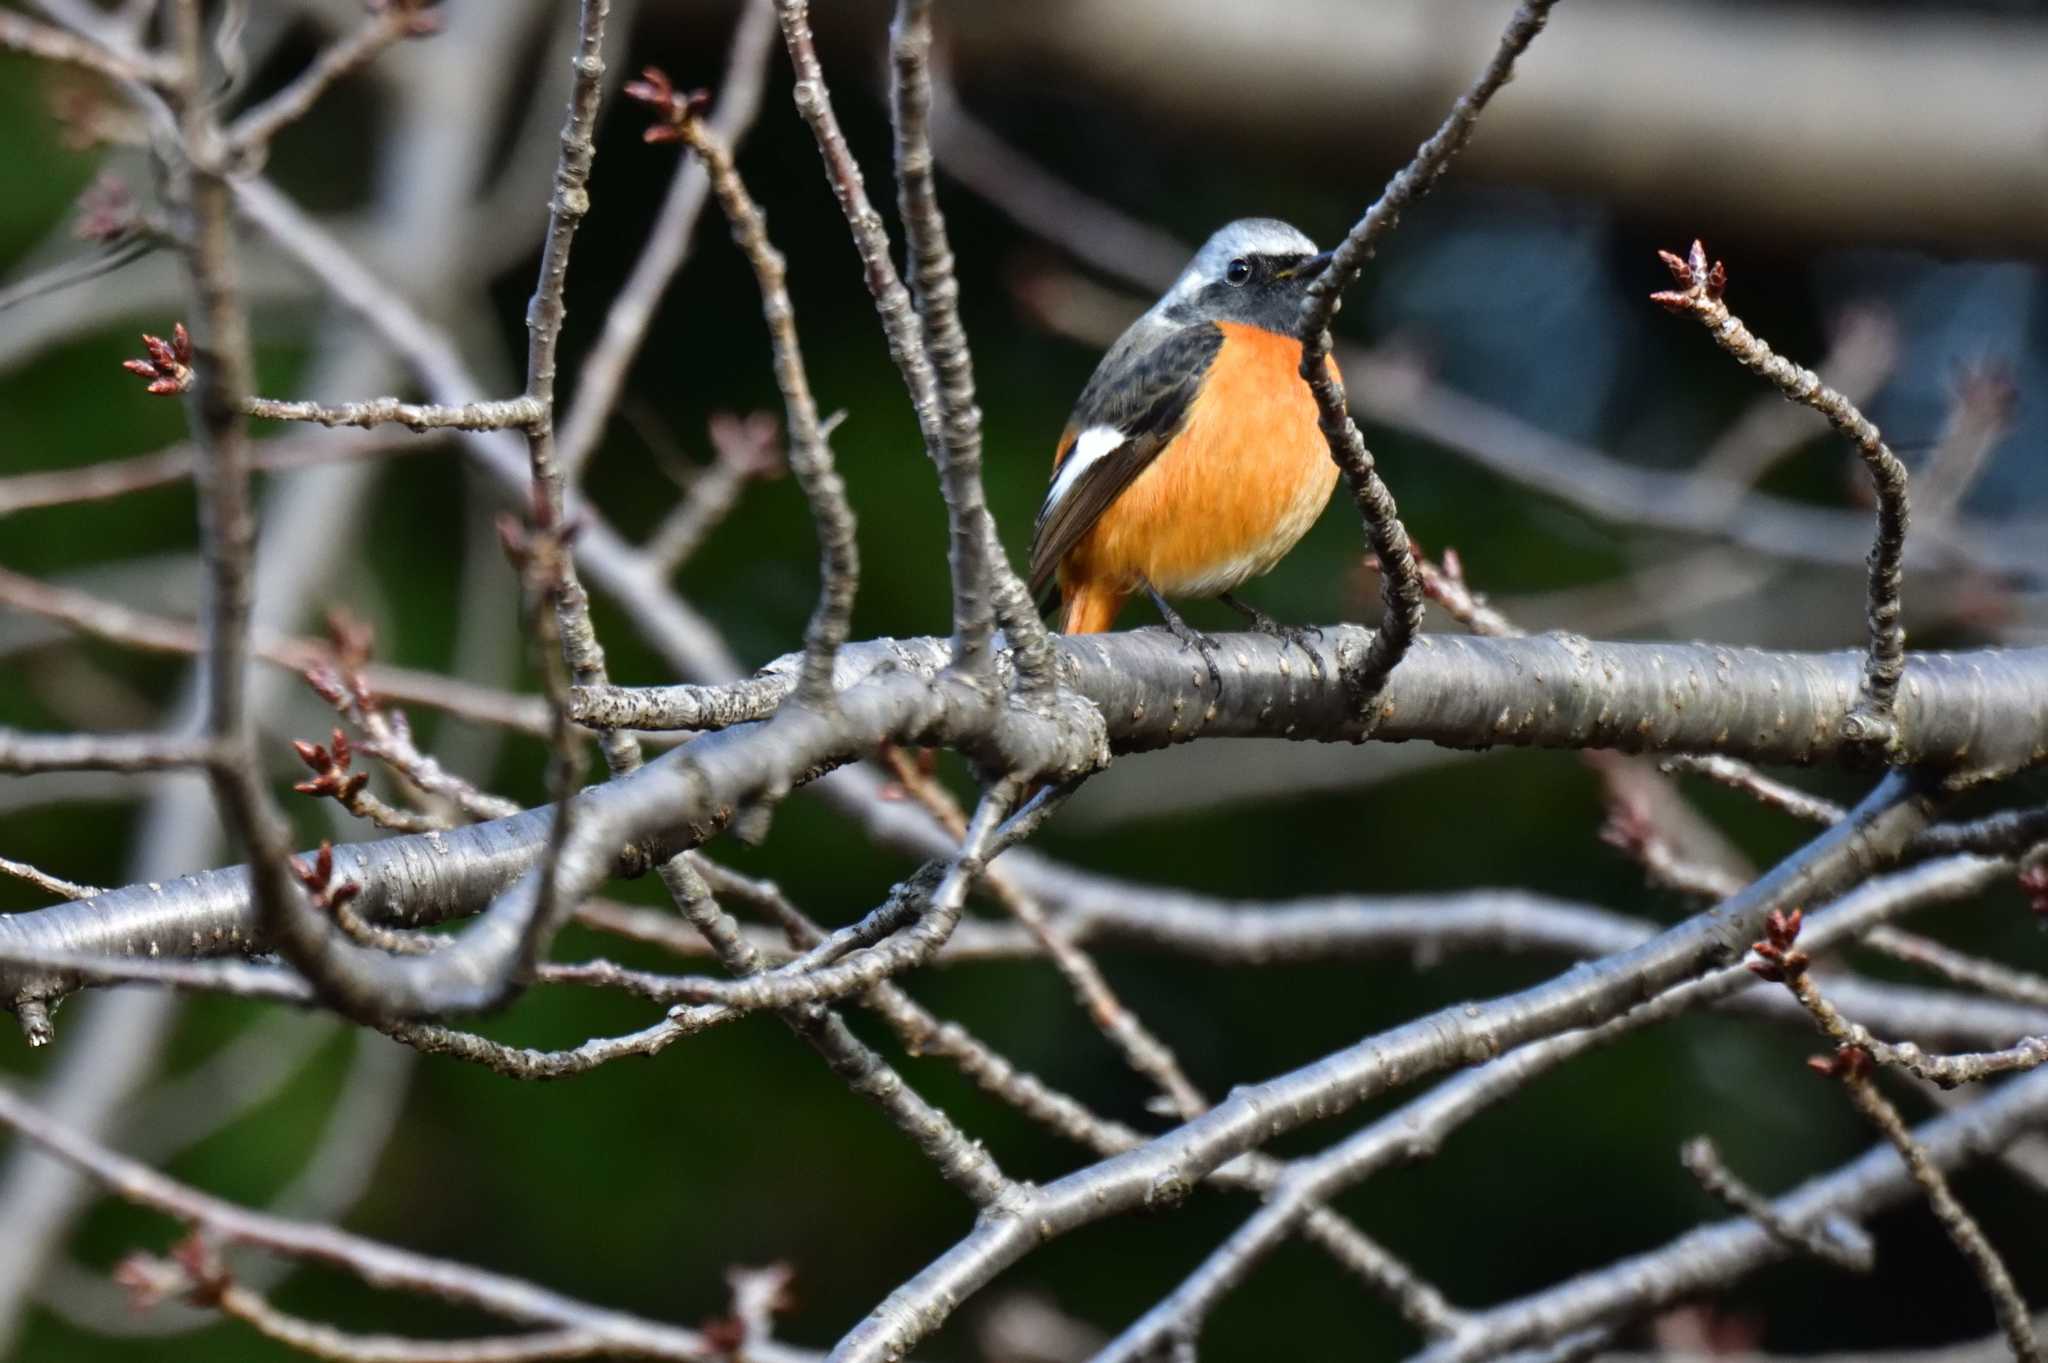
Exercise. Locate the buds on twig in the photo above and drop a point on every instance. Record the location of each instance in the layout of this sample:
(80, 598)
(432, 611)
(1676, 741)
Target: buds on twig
(169, 366)
(673, 109)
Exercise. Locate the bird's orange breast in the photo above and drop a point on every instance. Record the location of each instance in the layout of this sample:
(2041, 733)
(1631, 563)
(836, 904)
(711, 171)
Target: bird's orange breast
(1234, 491)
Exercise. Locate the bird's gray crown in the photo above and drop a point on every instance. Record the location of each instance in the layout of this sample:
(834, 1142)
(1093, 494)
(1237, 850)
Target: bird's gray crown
(1248, 237)
(1266, 295)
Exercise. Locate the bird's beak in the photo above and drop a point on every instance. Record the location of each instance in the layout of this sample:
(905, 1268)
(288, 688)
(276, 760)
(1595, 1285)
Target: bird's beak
(1313, 266)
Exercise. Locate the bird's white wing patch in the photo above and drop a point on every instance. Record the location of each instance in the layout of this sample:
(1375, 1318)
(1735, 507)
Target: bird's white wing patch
(1090, 447)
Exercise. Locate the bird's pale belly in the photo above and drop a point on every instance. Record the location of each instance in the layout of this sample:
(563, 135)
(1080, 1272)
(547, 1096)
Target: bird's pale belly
(1238, 487)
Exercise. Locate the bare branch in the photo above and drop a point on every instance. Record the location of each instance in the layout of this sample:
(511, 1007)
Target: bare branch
(1712, 1256)
(387, 24)
(1400, 583)
(135, 629)
(1961, 968)
(44, 881)
(602, 375)
(1162, 1169)
(117, 477)
(900, 326)
(1700, 294)
(974, 553)
(1843, 1244)
(382, 1265)
(2012, 1311)
(509, 413)
(19, 33)
(810, 456)
(21, 753)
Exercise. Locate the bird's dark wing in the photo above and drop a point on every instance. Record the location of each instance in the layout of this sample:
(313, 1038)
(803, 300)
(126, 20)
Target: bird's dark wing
(1142, 391)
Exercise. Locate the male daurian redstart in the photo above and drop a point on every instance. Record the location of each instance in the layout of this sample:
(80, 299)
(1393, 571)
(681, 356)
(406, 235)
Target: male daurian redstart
(1193, 461)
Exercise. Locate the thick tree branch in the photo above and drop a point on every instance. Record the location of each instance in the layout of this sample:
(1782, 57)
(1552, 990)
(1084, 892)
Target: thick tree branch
(1987, 712)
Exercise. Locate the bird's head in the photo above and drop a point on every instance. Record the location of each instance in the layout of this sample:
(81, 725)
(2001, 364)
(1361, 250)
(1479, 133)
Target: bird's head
(1254, 271)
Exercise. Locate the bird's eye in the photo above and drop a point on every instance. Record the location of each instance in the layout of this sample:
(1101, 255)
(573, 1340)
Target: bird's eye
(1238, 271)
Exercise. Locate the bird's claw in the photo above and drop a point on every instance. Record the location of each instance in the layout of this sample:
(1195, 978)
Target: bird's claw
(1191, 638)
(1303, 637)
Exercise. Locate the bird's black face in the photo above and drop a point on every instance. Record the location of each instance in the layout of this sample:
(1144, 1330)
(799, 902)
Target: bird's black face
(1256, 288)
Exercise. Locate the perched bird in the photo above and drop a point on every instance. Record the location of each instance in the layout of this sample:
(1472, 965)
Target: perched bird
(1193, 461)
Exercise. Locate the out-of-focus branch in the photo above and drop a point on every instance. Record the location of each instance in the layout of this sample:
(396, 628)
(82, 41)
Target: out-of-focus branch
(743, 449)
(383, 1265)
(19, 33)
(389, 23)
(136, 629)
(22, 753)
(1908, 126)
(117, 477)
(601, 377)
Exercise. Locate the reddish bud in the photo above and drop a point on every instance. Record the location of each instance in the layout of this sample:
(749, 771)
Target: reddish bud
(2034, 885)
(169, 366)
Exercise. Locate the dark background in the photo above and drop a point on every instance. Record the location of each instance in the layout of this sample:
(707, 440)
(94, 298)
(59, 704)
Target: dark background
(637, 1185)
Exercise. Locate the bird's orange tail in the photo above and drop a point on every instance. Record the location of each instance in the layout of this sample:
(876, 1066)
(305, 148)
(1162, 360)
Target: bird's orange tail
(1091, 609)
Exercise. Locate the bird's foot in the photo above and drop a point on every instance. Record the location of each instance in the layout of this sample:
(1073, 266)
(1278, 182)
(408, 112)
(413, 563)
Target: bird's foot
(1303, 637)
(1190, 638)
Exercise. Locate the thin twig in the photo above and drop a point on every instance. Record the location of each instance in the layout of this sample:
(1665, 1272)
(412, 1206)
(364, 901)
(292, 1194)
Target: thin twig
(509, 413)
(226, 513)
(136, 629)
(810, 454)
(23, 753)
(1830, 1243)
(1779, 959)
(1701, 285)
(601, 377)
(1945, 1070)
(900, 327)
(1142, 1050)
(383, 1265)
(1400, 581)
(1969, 1238)
(972, 547)
(44, 881)
(391, 23)
(19, 33)
(117, 477)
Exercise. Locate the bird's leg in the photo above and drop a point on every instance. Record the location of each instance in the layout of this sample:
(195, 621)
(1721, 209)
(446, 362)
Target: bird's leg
(1189, 637)
(1298, 635)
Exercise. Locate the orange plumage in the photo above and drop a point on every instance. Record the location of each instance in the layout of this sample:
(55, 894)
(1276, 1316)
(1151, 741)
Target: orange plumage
(1224, 501)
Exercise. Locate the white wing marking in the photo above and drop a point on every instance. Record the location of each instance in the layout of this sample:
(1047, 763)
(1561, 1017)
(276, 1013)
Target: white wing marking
(1089, 448)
